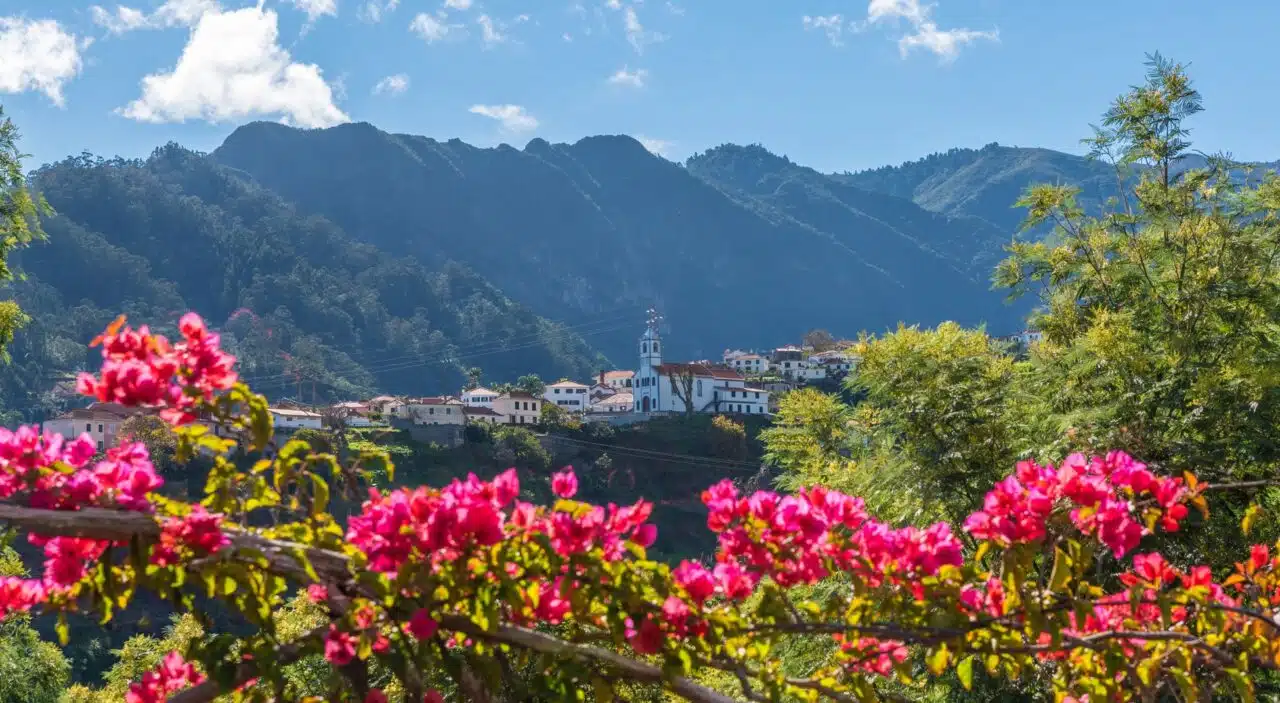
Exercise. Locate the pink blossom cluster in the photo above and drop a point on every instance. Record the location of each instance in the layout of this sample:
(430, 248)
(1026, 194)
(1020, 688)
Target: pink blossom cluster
(803, 538)
(1101, 493)
(199, 532)
(173, 675)
(871, 655)
(142, 369)
(439, 526)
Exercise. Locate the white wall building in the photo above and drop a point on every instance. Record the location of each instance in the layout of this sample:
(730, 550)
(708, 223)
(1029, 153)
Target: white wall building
(570, 395)
(616, 403)
(437, 410)
(660, 387)
(519, 408)
(292, 419)
(479, 397)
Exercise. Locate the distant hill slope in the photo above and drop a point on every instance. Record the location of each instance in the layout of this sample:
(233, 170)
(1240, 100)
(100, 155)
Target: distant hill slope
(985, 183)
(573, 229)
(296, 298)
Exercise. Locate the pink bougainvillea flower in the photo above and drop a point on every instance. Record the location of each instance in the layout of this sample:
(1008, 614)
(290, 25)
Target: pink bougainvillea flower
(564, 483)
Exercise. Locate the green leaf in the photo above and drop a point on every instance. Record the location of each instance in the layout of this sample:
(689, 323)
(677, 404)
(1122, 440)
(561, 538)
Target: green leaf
(1061, 573)
(1250, 517)
(1243, 685)
(938, 660)
(965, 671)
(603, 689)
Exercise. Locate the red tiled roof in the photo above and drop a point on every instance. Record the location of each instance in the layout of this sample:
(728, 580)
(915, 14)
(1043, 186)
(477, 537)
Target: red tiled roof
(479, 410)
(705, 370)
(608, 375)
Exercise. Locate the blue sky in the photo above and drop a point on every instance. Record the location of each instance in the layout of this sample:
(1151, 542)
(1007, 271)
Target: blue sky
(836, 84)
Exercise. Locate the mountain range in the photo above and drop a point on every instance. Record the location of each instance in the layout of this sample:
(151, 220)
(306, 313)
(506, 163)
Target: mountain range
(349, 260)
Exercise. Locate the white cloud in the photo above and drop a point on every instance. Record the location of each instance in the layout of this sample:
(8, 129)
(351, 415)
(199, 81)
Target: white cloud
(373, 10)
(567, 37)
(832, 25)
(432, 28)
(923, 31)
(674, 8)
(660, 147)
(38, 55)
(513, 118)
(463, 5)
(233, 68)
(490, 31)
(173, 13)
(613, 4)
(316, 9)
(634, 79)
(636, 33)
(392, 85)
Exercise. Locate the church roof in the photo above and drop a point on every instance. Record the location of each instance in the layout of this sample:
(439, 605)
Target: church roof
(704, 370)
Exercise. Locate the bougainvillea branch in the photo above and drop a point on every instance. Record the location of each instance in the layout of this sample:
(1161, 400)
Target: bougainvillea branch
(459, 580)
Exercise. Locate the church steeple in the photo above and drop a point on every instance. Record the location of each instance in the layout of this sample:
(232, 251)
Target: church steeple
(651, 341)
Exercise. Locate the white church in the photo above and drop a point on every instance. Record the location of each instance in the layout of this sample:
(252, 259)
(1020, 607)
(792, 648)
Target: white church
(661, 387)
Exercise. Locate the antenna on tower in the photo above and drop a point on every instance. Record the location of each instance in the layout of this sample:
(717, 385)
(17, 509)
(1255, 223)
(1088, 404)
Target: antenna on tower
(655, 318)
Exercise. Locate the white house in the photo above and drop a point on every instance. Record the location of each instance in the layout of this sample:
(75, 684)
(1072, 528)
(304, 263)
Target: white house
(616, 403)
(293, 419)
(436, 410)
(101, 421)
(619, 380)
(479, 397)
(663, 387)
(354, 413)
(746, 362)
(519, 408)
(570, 395)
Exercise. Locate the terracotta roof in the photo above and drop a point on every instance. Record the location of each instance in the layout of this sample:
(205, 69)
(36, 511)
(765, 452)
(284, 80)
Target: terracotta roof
(103, 411)
(566, 384)
(521, 395)
(434, 400)
(291, 412)
(481, 391)
(382, 399)
(479, 410)
(626, 399)
(609, 375)
(705, 370)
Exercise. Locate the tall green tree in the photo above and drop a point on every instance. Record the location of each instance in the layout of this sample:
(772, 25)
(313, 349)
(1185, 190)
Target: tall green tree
(1162, 313)
(19, 221)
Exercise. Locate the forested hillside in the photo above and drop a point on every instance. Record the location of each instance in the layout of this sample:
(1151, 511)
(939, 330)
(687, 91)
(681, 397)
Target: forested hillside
(573, 229)
(303, 306)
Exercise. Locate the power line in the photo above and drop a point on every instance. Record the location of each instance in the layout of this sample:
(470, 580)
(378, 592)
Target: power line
(654, 453)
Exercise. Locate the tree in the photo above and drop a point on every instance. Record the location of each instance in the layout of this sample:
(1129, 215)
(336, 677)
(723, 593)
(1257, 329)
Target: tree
(944, 405)
(30, 668)
(728, 438)
(473, 377)
(531, 384)
(544, 600)
(19, 223)
(819, 340)
(155, 434)
(809, 437)
(683, 377)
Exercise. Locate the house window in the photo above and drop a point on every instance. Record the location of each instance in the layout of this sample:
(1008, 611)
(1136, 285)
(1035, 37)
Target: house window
(557, 391)
(699, 386)
(88, 427)
(99, 427)
(431, 411)
(99, 445)
(644, 348)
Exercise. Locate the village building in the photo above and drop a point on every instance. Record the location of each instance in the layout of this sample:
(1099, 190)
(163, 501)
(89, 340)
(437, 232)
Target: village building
(481, 415)
(101, 421)
(570, 395)
(519, 408)
(746, 362)
(436, 410)
(616, 403)
(384, 405)
(290, 420)
(354, 413)
(675, 387)
(619, 380)
(479, 397)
